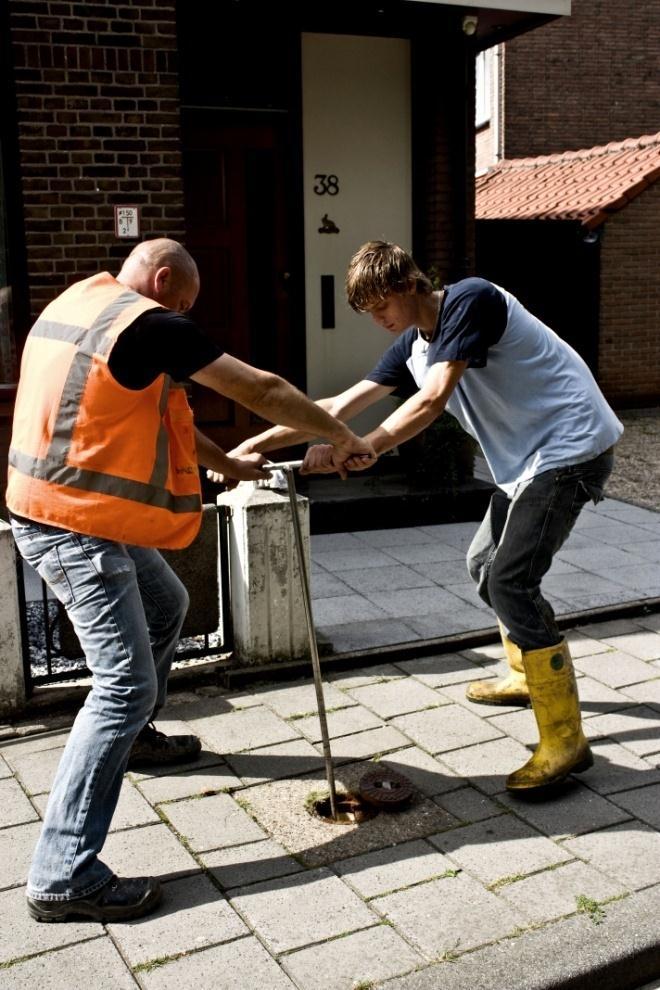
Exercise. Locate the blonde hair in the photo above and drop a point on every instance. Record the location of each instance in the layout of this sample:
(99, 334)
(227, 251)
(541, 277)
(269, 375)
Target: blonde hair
(378, 269)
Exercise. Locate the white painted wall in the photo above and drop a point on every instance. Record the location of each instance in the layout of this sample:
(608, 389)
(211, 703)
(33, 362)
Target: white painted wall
(356, 126)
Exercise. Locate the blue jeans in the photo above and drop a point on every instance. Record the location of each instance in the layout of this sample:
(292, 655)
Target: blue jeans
(514, 546)
(127, 607)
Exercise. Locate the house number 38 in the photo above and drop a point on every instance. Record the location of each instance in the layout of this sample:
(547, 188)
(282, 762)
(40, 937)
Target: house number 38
(326, 184)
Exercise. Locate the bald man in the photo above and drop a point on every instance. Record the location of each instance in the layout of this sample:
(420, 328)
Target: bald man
(103, 469)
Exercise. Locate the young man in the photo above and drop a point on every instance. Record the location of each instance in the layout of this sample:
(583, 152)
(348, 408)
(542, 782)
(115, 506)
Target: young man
(103, 469)
(547, 434)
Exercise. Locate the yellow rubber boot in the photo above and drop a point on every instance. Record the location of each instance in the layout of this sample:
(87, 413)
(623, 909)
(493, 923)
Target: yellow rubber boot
(509, 690)
(562, 748)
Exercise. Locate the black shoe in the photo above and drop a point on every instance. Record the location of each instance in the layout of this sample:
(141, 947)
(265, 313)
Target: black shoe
(152, 746)
(119, 900)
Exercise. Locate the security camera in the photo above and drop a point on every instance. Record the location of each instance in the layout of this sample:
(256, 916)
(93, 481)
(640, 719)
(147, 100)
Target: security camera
(470, 22)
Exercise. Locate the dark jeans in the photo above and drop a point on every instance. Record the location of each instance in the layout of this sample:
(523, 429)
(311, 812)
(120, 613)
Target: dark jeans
(515, 544)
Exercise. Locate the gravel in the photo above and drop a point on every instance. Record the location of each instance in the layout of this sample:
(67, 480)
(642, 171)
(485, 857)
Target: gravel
(636, 474)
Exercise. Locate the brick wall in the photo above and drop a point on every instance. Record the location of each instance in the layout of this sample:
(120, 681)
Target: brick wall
(629, 366)
(98, 116)
(584, 80)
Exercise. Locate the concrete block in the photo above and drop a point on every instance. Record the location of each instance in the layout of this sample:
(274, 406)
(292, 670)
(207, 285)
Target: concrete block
(576, 810)
(397, 697)
(288, 700)
(212, 822)
(430, 776)
(251, 863)
(616, 669)
(267, 601)
(387, 870)
(488, 765)
(173, 786)
(630, 853)
(94, 963)
(553, 893)
(403, 537)
(638, 729)
(642, 803)
(15, 809)
(365, 745)
(340, 723)
(392, 578)
(344, 638)
(287, 759)
(12, 677)
(16, 847)
(344, 609)
(295, 911)
(351, 558)
(20, 936)
(220, 967)
(244, 729)
(440, 730)
(148, 851)
(617, 769)
(643, 644)
(468, 805)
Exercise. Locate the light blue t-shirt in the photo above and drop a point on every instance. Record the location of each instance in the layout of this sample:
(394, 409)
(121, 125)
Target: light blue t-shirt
(526, 396)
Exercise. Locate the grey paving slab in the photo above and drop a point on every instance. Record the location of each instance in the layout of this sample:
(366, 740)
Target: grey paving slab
(325, 585)
(458, 535)
(620, 952)
(207, 758)
(450, 915)
(373, 674)
(612, 627)
(469, 805)
(15, 808)
(386, 870)
(415, 602)
(340, 723)
(468, 592)
(212, 822)
(5, 770)
(643, 644)
(574, 810)
(351, 558)
(293, 911)
(331, 542)
(629, 853)
(488, 765)
(392, 578)
(402, 537)
(428, 553)
(193, 915)
(344, 609)
(597, 698)
(456, 693)
(601, 599)
(428, 775)
(36, 770)
(641, 578)
(243, 730)
(638, 729)
(357, 960)
(288, 759)
(132, 809)
(519, 724)
(444, 572)
(554, 893)
(219, 967)
(179, 785)
(441, 670)
(16, 847)
(440, 730)
(583, 584)
(648, 692)
(498, 848)
(457, 618)
(617, 533)
(617, 769)
(350, 636)
(397, 697)
(365, 745)
(582, 645)
(148, 851)
(20, 936)
(36, 743)
(250, 863)
(642, 803)
(616, 669)
(287, 700)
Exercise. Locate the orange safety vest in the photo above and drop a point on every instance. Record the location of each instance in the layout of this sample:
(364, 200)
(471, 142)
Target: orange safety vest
(87, 454)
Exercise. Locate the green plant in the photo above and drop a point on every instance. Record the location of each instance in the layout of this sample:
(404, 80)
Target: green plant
(586, 905)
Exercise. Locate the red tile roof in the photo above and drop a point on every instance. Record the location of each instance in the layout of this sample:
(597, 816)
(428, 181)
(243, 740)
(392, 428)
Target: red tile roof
(583, 185)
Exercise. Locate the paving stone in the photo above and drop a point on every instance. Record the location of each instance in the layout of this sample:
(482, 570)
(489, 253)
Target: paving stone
(553, 893)
(36, 770)
(488, 765)
(287, 700)
(614, 627)
(386, 870)
(206, 758)
(441, 670)
(287, 759)
(456, 693)
(616, 669)
(519, 724)
(617, 769)
(281, 808)
(5, 770)
(340, 723)
(581, 645)
(630, 853)
(428, 775)
(193, 915)
(327, 586)
(250, 863)
(34, 743)
(573, 810)
(95, 963)
(16, 848)
(638, 729)
(469, 805)
(453, 619)
(642, 803)
(20, 936)
(403, 537)
(345, 609)
(449, 915)
(499, 847)
(442, 729)
(642, 644)
(647, 692)
(415, 602)
(427, 553)
(212, 822)
(241, 730)
(392, 578)
(328, 542)
(454, 534)
(468, 592)
(352, 636)
(14, 806)
(350, 559)
(597, 698)
(365, 745)
(148, 851)
(220, 967)
(293, 911)
(444, 572)
(131, 810)
(642, 578)
(179, 785)
(355, 960)
(397, 697)
(348, 679)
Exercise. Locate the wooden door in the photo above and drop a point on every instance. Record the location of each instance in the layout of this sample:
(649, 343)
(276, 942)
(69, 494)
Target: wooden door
(237, 231)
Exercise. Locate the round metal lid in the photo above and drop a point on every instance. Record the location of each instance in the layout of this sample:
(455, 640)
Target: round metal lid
(386, 789)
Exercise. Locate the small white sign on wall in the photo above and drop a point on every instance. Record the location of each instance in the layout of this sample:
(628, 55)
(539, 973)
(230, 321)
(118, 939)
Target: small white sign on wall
(127, 221)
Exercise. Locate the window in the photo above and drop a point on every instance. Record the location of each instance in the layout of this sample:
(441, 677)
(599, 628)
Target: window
(483, 87)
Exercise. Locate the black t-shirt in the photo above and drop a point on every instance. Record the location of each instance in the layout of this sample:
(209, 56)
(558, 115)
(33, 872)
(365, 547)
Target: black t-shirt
(158, 342)
(473, 317)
